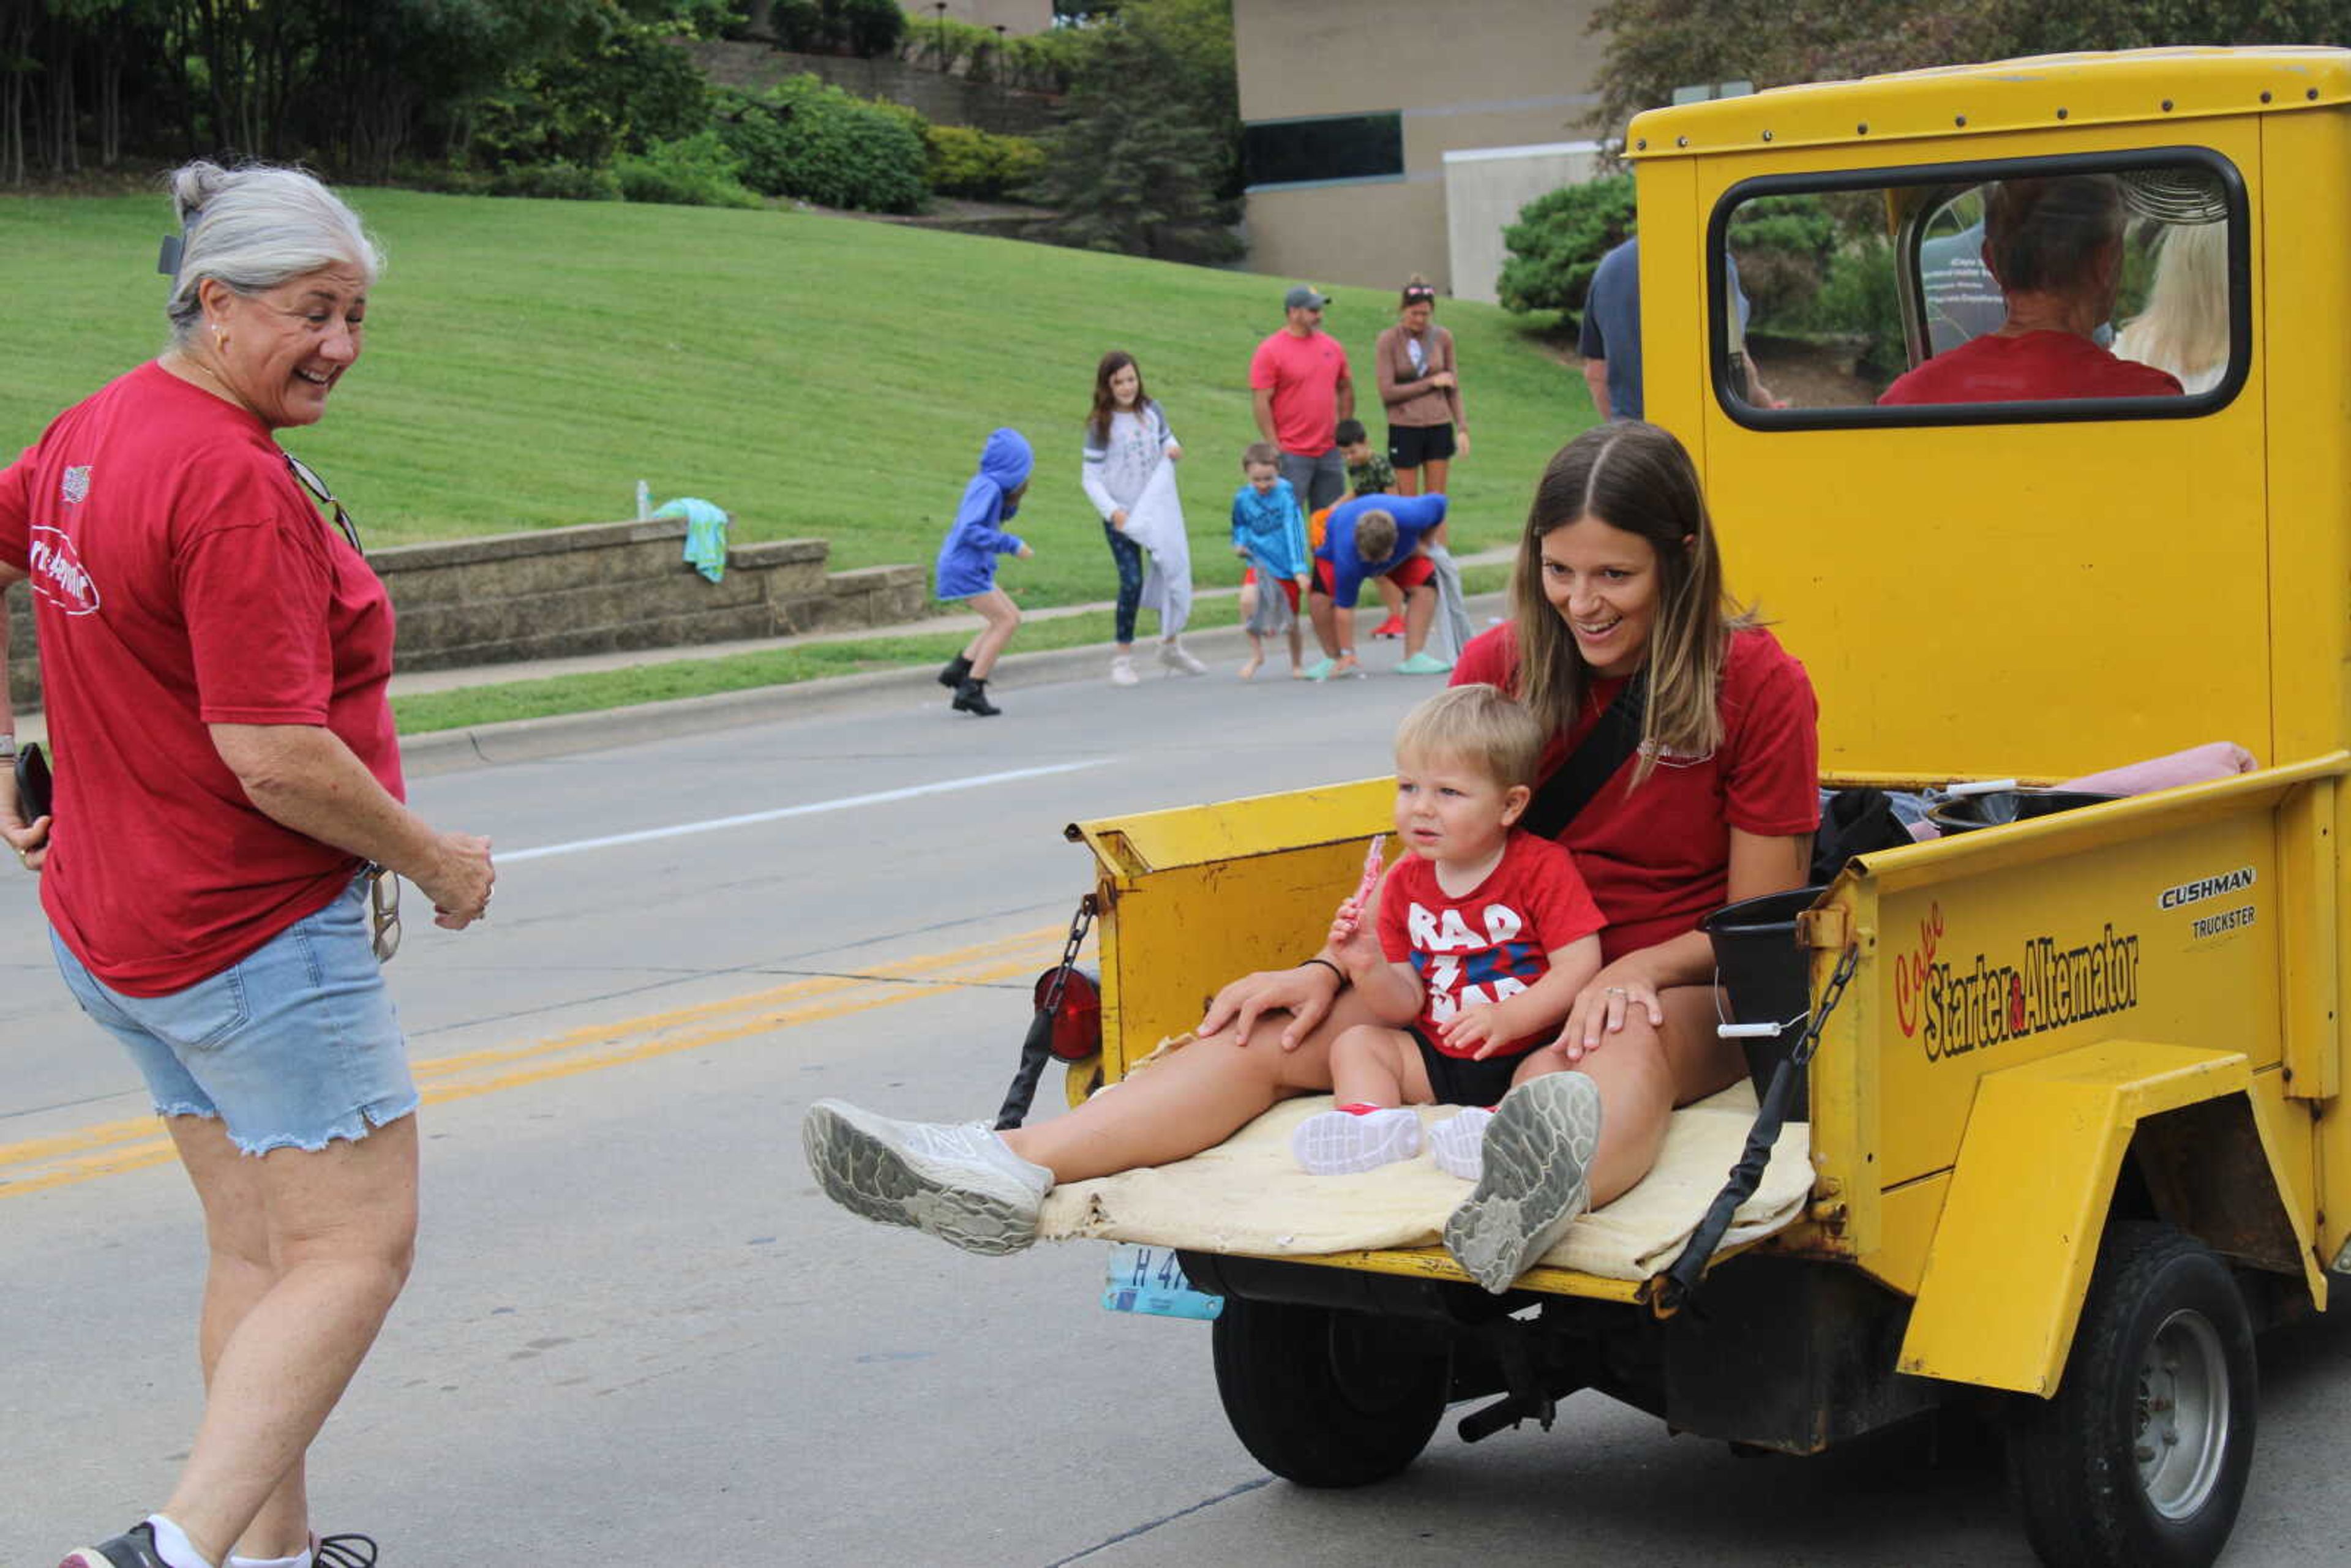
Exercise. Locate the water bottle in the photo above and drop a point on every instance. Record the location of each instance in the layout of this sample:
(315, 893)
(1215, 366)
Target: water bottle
(644, 500)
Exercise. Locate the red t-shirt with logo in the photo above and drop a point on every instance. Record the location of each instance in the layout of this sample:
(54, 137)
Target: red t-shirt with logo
(1303, 374)
(182, 577)
(1489, 943)
(2029, 367)
(1657, 857)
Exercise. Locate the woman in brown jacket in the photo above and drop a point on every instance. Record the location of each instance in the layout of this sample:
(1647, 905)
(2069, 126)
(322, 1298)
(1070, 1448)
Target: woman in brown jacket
(1417, 385)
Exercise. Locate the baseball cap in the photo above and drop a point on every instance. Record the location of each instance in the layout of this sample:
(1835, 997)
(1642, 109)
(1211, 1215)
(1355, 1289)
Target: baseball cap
(1302, 297)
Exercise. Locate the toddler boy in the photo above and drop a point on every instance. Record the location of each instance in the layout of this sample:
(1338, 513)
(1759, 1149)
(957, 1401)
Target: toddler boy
(1474, 946)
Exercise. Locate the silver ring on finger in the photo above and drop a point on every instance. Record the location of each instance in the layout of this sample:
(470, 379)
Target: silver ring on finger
(1614, 991)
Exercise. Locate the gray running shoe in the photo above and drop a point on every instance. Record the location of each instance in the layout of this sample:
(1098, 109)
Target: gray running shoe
(959, 1183)
(134, 1548)
(1537, 1158)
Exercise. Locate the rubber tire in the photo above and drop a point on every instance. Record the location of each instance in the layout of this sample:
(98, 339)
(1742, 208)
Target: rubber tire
(1324, 1397)
(2071, 1464)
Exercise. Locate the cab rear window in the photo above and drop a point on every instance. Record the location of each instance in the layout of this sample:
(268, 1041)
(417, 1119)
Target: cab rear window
(2102, 287)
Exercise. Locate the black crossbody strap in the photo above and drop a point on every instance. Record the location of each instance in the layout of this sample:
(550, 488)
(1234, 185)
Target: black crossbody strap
(1577, 780)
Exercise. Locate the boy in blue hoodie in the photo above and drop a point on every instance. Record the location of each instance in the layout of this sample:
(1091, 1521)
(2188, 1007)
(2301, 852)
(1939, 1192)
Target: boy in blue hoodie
(966, 565)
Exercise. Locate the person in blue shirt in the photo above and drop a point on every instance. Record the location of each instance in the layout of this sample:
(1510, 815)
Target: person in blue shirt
(966, 565)
(1270, 533)
(1367, 538)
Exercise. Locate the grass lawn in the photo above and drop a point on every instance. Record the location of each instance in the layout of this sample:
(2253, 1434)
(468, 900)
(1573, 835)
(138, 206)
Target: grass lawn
(529, 361)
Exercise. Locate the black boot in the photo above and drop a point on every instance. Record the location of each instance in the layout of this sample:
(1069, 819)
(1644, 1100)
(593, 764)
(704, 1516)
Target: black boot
(957, 670)
(971, 696)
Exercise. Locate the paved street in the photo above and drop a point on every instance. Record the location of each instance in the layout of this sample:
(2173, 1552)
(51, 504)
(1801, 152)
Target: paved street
(636, 1335)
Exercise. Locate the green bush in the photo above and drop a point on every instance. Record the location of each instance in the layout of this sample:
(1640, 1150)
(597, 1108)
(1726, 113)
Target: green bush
(629, 91)
(1783, 245)
(695, 172)
(442, 178)
(1857, 301)
(968, 163)
(560, 180)
(1558, 242)
(802, 138)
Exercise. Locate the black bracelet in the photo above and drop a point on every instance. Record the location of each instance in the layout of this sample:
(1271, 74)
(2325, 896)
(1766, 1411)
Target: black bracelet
(1329, 965)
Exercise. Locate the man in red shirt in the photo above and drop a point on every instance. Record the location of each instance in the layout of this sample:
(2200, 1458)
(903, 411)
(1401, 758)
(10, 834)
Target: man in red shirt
(2055, 248)
(1299, 380)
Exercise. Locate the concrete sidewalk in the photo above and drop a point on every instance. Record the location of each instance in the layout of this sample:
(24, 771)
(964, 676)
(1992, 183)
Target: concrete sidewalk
(441, 750)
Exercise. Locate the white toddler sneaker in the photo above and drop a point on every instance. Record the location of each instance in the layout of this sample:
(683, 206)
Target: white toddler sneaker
(1343, 1143)
(1457, 1144)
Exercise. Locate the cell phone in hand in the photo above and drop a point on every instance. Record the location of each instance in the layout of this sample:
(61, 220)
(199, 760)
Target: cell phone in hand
(32, 783)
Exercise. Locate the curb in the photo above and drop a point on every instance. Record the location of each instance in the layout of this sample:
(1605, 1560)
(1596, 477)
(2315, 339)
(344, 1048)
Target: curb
(560, 734)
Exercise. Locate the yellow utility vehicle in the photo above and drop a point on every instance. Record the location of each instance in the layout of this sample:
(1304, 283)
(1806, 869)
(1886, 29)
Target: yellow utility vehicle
(2077, 1125)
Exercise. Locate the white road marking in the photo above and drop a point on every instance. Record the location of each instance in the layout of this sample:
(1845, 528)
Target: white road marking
(813, 808)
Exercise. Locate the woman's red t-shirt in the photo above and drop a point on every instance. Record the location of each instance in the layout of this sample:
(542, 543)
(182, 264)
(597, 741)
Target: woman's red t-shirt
(1657, 857)
(182, 579)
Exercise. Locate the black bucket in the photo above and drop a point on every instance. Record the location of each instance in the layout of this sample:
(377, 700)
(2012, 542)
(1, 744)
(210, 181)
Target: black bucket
(1768, 979)
(1998, 808)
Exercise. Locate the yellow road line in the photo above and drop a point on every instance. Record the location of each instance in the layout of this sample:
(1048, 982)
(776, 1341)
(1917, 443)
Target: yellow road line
(113, 1148)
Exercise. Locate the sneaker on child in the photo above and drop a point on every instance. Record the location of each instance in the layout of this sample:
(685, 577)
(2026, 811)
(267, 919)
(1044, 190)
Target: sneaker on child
(1341, 1143)
(1121, 671)
(1179, 660)
(1457, 1144)
(960, 1182)
(1391, 627)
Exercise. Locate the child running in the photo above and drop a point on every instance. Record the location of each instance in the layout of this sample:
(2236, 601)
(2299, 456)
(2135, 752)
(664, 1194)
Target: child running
(966, 566)
(1470, 949)
(1126, 439)
(1270, 533)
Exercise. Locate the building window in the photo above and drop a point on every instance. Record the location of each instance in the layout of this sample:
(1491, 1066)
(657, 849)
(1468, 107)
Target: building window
(1309, 152)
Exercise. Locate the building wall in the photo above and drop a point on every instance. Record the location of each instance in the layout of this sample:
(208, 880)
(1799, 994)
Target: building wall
(1484, 190)
(1012, 16)
(1469, 74)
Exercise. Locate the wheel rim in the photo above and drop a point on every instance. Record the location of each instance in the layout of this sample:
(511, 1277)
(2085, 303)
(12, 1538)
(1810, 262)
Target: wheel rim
(2180, 1416)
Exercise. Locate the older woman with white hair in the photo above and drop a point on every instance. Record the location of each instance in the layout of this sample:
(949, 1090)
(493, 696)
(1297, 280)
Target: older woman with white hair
(227, 807)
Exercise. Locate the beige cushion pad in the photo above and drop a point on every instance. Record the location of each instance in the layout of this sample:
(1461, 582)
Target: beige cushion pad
(1248, 1195)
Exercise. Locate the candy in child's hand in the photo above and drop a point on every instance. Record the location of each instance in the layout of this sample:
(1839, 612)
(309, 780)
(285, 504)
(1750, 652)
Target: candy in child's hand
(1371, 869)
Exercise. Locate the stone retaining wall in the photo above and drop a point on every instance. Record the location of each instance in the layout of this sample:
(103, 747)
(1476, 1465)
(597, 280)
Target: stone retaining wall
(593, 589)
(943, 99)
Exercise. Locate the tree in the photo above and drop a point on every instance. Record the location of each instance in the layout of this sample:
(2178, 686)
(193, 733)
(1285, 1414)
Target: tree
(1655, 46)
(1146, 160)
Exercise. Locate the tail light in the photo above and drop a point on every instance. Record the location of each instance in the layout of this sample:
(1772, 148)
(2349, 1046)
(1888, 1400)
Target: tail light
(1077, 1016)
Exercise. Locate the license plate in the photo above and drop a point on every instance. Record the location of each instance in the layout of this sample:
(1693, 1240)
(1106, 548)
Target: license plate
(1149, 1280)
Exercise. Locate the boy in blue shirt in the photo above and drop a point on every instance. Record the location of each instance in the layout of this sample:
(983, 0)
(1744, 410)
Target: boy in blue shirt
(1373, 537)
(1270, 533)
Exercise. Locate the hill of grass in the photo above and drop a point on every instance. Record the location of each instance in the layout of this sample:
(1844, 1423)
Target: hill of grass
(529, 361)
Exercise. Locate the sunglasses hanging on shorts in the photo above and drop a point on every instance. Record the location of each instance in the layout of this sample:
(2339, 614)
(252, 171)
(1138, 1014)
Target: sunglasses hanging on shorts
(309, 481)
(383, 909)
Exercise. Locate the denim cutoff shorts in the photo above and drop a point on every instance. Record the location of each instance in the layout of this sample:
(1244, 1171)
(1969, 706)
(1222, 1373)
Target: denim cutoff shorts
(293, 1046)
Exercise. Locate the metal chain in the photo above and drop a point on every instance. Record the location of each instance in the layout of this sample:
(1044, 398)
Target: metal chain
(1831, 994)
(1079, 926)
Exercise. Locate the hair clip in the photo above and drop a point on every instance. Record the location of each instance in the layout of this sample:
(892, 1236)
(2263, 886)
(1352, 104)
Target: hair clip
(175, 246)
